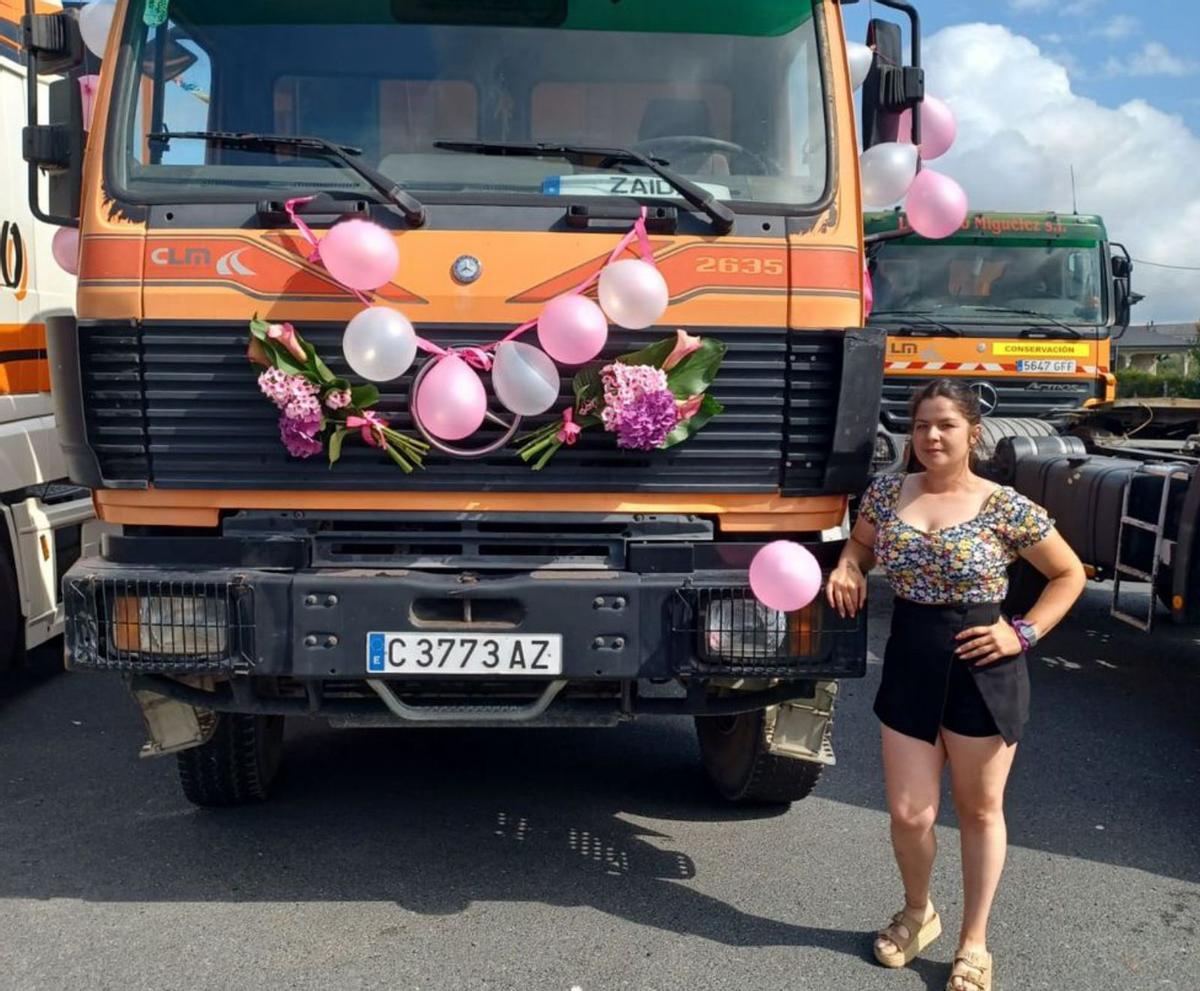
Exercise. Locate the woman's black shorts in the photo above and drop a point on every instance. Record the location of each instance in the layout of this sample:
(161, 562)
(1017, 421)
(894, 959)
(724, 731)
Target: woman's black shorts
(925, 686)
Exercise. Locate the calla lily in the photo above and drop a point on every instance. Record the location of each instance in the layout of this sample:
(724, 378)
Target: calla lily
(257, 353)
(687, 408)
(284, 334)
(685, 344)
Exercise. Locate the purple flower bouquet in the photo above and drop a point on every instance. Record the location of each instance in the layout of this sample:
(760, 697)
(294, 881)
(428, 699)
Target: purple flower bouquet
(651, 399)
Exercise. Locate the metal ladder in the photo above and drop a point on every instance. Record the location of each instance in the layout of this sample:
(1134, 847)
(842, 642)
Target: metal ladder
(1166, 473)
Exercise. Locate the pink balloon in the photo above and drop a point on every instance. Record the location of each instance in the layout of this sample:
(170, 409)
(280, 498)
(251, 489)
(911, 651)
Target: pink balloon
(360, 254)
(451, 401)
(65, 248)
(785, 576)
(936, 205)
(572, 329)
(938, 128)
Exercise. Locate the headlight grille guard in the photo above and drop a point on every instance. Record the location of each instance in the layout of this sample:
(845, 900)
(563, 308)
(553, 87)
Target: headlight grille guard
(732, 634)
(159, 625)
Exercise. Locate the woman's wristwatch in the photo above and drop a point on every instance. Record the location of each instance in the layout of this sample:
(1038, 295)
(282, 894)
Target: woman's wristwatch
(1026, 632)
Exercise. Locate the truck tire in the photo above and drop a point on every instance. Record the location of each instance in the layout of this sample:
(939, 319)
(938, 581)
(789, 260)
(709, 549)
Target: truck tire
(237, 765)
(739, 767)
(11, 620)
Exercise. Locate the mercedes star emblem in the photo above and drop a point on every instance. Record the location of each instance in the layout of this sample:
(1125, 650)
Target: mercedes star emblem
(989, 399)
(466, 269)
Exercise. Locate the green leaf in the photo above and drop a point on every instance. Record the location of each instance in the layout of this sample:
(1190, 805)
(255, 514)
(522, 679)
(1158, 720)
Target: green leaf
(653, 354)
(335, 445)
(698, 370)
(587, 385)
(338, 385)
(315, 367)
(709, 408)
(259, 328)
(285, 362)
(363, 396)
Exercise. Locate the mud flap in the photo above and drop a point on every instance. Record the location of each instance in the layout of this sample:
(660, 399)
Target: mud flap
(803, 729)
(171, 725)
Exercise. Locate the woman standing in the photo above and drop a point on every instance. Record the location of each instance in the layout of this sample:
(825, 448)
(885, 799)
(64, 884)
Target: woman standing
(955, 685)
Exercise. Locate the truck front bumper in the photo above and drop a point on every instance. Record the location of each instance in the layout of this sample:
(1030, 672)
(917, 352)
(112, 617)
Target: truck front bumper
(236, 626)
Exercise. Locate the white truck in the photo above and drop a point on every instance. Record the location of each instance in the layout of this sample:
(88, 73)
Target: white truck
(45, 521)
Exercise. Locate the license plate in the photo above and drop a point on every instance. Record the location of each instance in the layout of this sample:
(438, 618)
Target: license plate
(1052, 365)
(433, 653)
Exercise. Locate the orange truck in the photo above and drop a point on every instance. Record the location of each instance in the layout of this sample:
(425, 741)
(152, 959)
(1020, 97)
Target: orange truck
(1021, 305)
(507, 147)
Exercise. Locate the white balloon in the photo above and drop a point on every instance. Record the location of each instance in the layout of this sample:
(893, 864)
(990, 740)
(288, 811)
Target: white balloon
(525, 378)
(860, 58)
(379, 343)
(888, 170)
(95, 22)
(633, 293)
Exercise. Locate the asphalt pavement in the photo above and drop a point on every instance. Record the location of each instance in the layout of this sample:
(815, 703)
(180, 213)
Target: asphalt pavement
(596, 860)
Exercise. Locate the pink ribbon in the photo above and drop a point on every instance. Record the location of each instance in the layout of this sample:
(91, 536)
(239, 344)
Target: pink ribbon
(306, 232)
(372, 425)
(570, 429)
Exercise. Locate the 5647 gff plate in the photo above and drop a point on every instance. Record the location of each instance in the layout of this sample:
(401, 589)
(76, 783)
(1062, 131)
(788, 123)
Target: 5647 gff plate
(457, 654)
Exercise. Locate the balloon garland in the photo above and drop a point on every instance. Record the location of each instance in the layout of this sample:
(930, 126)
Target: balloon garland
(651, 399)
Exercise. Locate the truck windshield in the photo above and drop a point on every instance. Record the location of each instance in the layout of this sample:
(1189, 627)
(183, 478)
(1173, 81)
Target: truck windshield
(990, 283)
(729, 96)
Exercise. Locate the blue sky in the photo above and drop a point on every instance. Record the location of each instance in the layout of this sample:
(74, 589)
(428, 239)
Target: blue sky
(1108, 88)
(1114, 49)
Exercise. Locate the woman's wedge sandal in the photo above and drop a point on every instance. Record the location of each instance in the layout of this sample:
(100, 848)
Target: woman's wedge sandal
(972, 971)
(909, 935)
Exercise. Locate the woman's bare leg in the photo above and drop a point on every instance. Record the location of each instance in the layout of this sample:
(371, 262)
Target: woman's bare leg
(912, 772)
(979, 768)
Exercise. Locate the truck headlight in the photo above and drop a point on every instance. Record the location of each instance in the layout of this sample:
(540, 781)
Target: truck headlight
(885, 452)
(170, 625)
(742, 628)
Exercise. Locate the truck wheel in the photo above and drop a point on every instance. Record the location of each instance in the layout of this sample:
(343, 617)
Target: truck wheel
(10, 614)
(237, 765)
(735, 756)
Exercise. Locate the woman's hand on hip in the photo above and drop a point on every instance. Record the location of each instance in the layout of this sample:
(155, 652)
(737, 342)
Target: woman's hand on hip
(988, 644)
(846, 589)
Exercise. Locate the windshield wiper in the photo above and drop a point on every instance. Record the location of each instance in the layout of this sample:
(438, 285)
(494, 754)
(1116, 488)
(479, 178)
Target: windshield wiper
(902, 315)
(410, 206)
(704, 201)
(1030, 331)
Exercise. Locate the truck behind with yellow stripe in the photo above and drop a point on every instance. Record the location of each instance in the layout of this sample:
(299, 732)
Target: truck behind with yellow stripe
(1021, 305)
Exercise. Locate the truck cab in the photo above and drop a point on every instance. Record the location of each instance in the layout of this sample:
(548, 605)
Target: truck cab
(508, 150)
(1023, 306)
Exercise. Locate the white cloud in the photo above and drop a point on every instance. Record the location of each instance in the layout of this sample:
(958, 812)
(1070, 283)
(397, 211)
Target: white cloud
(1029, 4)
(1079, 8)
(1154, 59)
(1021, 128)
(1118, 27)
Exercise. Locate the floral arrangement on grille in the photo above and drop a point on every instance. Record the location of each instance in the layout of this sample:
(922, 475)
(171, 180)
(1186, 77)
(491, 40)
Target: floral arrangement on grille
(650, 399)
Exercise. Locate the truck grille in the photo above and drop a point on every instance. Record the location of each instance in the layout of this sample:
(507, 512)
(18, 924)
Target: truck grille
(1017, 397)
(177, 407)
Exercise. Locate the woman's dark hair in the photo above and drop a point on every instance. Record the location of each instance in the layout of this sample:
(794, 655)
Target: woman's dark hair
(952, 389)
(958, 393)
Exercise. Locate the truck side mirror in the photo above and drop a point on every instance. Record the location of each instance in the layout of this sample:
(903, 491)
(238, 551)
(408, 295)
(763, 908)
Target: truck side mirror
(53, 44)
(891, 86)
(1124, 298)
(56, 148)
